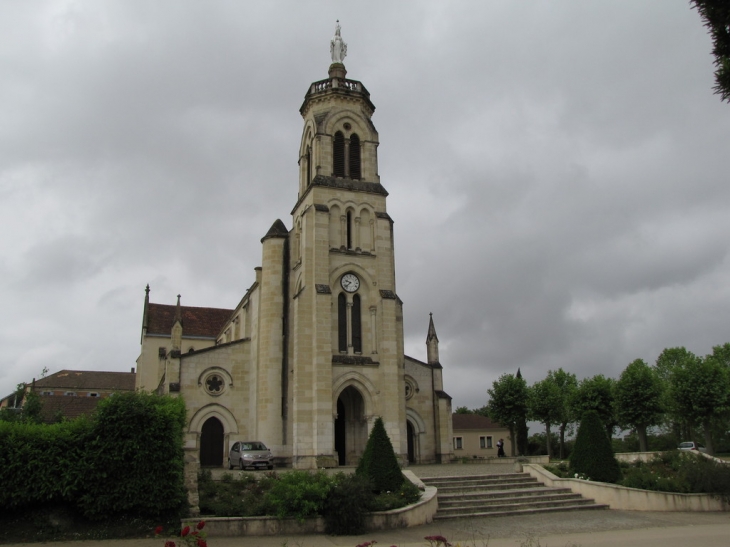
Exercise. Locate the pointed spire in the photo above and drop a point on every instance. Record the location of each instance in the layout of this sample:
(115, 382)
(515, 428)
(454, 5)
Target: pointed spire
(432, 343)
(278, 229)
(431, 330)
(519, 374)
(178, 311)
(145, 313)
(146, 306)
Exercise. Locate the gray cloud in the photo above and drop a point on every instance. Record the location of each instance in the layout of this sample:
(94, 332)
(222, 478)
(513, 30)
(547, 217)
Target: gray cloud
(557, 173)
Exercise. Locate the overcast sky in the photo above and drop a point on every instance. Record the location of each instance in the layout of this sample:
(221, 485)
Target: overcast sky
(558, 173)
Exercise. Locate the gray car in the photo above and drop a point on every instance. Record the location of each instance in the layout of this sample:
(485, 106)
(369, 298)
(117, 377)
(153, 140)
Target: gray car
(250, 454)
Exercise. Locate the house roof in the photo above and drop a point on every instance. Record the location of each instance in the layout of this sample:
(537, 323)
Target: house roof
(88, 380)
(69, 407)
(205, 322)
(472, 421)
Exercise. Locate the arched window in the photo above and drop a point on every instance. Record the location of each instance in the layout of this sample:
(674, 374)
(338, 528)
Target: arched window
(342, 323)
(356, 325)
(354, 156)
(308, 165)
(338, 155)
(349, 229)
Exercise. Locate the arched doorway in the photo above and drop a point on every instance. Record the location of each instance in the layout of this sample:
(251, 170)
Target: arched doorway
(351, 429)
(411, 435)
(211, 443)
(340, 433)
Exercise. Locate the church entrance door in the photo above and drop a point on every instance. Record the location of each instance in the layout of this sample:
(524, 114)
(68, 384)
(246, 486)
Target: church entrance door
(351, 428)
(211, 443)
(411, 442)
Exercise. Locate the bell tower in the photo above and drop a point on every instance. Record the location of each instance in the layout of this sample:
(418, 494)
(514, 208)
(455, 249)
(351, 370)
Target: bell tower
(345, 350)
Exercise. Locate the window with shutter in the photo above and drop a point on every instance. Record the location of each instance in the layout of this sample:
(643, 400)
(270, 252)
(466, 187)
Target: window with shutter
(354, 156)
(338, 155)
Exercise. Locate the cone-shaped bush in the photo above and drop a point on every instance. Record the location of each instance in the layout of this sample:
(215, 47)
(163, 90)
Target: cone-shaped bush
(379, 463)
(592, 453)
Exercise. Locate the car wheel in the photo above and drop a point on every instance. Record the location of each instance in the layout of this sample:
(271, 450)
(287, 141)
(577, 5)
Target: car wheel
(240, 465)
(230, 465)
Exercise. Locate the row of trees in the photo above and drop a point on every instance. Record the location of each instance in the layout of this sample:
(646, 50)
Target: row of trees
(685, 392)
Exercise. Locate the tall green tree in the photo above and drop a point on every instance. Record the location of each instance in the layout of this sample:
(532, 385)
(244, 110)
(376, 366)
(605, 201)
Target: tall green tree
(667, 362)
(638, 399)
(722, 354)
(508, 403)
(700, 389)
(568, 384)
(521, 430)
(669, 359)
(716, 17)
(462, 410)
(544, 406)
(596, 393)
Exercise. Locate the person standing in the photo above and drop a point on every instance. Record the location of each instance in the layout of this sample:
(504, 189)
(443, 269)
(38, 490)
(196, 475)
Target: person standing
(500, 448)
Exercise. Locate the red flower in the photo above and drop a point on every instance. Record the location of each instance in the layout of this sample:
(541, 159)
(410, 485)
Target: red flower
(185, 531)
(169, 544)
(201, 525)
(202, 543)
(158, 530)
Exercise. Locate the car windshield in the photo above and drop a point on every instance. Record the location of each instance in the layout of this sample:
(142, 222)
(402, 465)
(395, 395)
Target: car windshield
(686, 445)
(253, 446)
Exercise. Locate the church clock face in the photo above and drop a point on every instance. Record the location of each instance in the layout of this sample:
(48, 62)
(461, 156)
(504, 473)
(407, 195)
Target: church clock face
(350, 282)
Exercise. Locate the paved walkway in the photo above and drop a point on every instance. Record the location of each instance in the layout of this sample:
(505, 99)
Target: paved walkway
(560, 529)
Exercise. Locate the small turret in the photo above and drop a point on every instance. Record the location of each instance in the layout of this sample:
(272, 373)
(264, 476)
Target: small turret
(177, 327)
(145, 319)
(432, 343)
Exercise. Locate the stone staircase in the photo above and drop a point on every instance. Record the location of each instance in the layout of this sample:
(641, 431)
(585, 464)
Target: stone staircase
(502, 494)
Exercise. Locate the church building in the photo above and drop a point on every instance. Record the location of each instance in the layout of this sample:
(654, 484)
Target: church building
(313, 353)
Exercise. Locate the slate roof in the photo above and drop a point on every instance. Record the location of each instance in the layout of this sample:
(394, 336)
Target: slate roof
(88, 380)
(472, 421)
(203, 322)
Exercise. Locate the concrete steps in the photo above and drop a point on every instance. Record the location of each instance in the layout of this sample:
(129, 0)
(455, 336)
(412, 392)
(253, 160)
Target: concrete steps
(502, 494)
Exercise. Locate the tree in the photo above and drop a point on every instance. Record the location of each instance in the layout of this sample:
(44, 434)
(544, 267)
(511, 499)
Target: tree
(568, 384)
(508, 403)
(592, 454)
(379, 462)
(596, 393)
(699, 388)
(722, 354)
(521, 430)
(462, 410)
(716, 17)
(544, 406)
(639, 399)
(669, 359)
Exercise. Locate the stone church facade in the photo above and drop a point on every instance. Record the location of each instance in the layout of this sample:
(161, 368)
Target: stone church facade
(313, 353)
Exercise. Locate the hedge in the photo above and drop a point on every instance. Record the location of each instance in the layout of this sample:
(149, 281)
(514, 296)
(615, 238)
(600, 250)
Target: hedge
(127, 458)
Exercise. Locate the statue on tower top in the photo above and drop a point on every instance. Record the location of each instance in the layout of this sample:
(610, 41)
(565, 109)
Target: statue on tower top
(338, 48)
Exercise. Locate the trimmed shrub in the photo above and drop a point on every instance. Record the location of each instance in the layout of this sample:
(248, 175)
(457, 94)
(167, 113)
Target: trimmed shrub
(134, 460)
(39, 463)
(125, 460)
(385, 501)
(379, 463)
(347, 504)
(242, 496)
(299, 494)
(592, 454)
